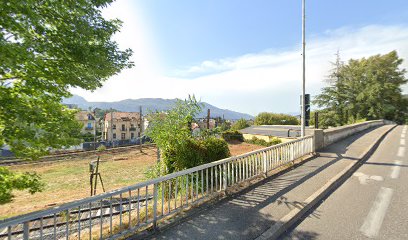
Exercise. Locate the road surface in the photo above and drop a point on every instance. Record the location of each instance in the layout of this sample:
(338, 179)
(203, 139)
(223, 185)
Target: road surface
(371, 204)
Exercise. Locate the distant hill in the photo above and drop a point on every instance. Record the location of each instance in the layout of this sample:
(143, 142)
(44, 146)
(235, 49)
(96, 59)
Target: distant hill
(152, 104)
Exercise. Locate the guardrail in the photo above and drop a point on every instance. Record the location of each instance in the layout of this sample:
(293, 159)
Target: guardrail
(128, 209)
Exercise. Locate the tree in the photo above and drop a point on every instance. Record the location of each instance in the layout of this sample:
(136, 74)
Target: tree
(266, 118)
(240, 124)
(46, 49)
(171, 131)
(10, 181)
(367, 88)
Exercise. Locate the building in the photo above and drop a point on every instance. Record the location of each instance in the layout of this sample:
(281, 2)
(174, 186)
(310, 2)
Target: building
(121, 126)
(88, 120)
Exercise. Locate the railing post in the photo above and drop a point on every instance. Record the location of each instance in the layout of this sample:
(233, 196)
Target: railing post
(224, 173)
(265, 163)
(155, 196)
(26, 231)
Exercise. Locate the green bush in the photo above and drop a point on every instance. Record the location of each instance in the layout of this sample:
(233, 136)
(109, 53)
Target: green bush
(232, 135)
(266, 118)
(262, 142)
(101, 148)
(195, 153)
(215, 149)
(240, 124)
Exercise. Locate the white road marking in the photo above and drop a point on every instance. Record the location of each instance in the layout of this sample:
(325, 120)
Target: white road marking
(375, 217)
(402, 142)
(402, 135)
(364, 178)
(401, 152)
(396, 170)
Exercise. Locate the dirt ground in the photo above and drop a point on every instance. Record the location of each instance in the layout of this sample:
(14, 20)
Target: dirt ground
(69, 180)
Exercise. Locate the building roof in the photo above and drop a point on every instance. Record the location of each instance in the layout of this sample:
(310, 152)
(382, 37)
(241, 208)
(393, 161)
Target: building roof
(84, 116)
(123, 116)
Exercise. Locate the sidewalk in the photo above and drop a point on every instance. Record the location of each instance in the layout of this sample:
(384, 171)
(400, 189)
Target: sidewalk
(253, 211)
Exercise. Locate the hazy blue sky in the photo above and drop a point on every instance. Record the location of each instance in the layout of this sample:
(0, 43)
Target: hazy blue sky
(245, 55)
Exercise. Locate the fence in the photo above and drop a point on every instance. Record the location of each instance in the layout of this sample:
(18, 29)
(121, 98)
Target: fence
(128, 209)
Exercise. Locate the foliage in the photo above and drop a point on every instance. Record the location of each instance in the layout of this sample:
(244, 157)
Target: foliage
(87, 137)
(225, 126)
(240, 124)
(232, 135)
(367, 88)
(262, 142)
(266, 118)
(101, 148)
(171, 131)
(48, 47)
(21, 181)
(197, 152)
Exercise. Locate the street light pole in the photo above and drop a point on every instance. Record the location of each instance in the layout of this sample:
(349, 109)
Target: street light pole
(302, 118)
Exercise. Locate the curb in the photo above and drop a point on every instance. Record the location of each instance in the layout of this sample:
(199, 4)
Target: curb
(293, 217)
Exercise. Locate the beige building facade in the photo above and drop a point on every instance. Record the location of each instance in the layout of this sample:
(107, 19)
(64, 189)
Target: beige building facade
(88, 120)
(122, 126)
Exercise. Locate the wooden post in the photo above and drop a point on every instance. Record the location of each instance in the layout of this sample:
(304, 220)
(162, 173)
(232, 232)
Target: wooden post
(96, 175)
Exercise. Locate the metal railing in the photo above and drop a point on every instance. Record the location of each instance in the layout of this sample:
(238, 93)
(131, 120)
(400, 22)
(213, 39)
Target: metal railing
(128, 209)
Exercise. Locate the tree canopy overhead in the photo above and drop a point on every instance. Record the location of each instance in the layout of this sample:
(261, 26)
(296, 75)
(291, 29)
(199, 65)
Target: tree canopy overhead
(367, 88)
(46, 48)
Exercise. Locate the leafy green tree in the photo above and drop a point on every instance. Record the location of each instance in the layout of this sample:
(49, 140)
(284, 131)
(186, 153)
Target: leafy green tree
(266, 118)
(46, 48)
(367, 88)
(240, 124)
(171, 131)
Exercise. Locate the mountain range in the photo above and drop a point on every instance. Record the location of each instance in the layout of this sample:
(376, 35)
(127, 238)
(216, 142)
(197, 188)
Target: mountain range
(152, 104)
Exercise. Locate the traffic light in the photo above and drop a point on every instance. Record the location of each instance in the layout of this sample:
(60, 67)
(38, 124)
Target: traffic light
(307, 109)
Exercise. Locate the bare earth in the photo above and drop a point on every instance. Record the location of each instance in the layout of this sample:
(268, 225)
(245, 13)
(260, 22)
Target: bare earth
(69, 180)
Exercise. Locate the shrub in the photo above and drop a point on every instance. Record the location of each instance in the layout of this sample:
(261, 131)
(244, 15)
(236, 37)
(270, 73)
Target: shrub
(262, 142)
(215, 149)
(266, 118)
(195, 153)
(101, 148)
(232, 135)
(240, 124)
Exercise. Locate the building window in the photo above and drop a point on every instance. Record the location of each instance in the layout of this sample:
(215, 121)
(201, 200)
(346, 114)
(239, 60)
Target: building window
(123, 136)
(132, 135)
(123, 127)
(132, 125)
(114, 136)
(114, 126)
(89, 125)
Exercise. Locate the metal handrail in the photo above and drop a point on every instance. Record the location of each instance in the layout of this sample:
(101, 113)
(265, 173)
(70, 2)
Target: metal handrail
(216, 175)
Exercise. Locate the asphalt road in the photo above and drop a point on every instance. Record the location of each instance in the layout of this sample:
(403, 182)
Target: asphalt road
(371, 204)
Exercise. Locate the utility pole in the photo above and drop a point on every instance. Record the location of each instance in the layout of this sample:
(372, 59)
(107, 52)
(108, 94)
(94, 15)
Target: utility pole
(140, 129)
(111, 126)
(208, 119)
(94, 116)
(302, 120)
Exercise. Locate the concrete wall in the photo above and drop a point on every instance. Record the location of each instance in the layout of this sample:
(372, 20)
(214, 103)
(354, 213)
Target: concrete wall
(326, 137)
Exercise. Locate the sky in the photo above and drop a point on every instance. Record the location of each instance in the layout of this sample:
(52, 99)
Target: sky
(245, 55)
